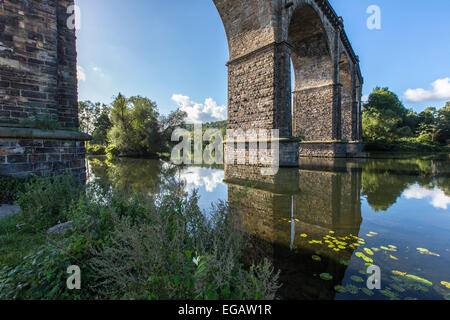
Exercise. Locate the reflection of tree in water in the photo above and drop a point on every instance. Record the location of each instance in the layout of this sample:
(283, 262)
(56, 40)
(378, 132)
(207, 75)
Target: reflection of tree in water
(141, 175)
(385, 180)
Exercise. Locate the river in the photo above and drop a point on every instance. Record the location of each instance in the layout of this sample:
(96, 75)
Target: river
(325, 223)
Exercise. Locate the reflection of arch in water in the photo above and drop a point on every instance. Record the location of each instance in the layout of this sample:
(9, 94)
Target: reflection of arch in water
(277, 210)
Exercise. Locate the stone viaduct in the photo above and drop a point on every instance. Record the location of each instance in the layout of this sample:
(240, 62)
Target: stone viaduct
(38, 81)
(264, 36)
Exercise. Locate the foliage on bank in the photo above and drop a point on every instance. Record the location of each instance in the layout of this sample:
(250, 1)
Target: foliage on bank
(130, 246)
(389, 126)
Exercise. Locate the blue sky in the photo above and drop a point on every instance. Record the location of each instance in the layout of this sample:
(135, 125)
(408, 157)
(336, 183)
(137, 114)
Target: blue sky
(174, 51)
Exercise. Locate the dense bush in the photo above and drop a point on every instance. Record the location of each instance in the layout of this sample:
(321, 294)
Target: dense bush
(389, 126)
(9, 188)
(131, 246)
(44, 201)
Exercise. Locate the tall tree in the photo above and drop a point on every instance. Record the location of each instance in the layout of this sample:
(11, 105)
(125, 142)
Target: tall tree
(135, 129)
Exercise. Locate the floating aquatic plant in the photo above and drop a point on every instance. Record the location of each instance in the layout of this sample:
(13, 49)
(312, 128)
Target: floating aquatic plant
(352, 289)
(357, 279)
(368, 251)
(367, 291)
(388, 293)
(326, 276)
(412, 278)
(427, 252)
(397, 287)
(340, 289)
(344, 262)
(364, 257)
(316, 258)
(446, 284)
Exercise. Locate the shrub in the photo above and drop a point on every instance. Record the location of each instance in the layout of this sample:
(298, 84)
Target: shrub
(131, 246)
(42, 274)
(9, 188)
(44, 201)
(178, 253)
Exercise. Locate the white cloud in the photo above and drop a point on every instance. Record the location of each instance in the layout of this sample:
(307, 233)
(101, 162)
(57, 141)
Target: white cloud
(196, 177)
(200, 112)
(81, 75)
(440, 91)
(99, 71)
(438, 199)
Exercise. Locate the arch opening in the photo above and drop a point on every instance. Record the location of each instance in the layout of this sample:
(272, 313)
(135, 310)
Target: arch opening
(313, 73)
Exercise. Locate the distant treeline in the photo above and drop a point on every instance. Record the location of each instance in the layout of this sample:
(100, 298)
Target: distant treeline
(133, 126)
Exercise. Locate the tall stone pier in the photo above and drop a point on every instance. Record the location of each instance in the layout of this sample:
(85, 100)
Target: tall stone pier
(38, 90)
(324, 110)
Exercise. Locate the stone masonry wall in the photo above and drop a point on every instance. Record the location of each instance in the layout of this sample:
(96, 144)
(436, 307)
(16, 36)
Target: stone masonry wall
(37, 62)
(21, 157)
(38, 79)
(263, 36)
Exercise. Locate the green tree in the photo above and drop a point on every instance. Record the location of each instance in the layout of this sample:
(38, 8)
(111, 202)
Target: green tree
(176, 119)
(386, 118)
(135, 128)
(101, 127)
(442, 134)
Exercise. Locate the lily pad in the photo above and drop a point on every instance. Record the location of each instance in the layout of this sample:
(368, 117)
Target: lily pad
(420, 280)
(367, 291)
(326, 276)
(344, 262)
(340, 289)
(397, 288)
(316, 258)
(352, 289)
(388, 293)
(357, 279)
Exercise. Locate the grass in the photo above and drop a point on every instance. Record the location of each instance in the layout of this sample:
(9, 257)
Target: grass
(16, 243)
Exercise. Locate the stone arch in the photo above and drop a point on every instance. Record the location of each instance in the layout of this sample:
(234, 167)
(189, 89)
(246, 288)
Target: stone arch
(258, 85)
(314, 71)
(248, 24)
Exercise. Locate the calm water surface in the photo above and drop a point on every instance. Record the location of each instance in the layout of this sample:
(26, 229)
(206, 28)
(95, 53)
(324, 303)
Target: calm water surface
(322, 225)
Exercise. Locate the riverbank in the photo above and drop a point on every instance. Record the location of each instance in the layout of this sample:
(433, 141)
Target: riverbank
(164, 244)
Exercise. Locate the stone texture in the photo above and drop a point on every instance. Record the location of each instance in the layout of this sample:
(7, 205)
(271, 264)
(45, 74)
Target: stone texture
(42, 157)
(61, 228)
(263, 37)
(37, 61)
(38, 77)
